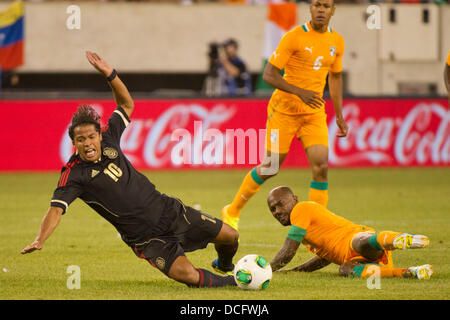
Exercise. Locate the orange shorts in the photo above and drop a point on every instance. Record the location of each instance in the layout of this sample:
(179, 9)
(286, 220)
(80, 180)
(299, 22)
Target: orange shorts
(281, 128)
(343, 251)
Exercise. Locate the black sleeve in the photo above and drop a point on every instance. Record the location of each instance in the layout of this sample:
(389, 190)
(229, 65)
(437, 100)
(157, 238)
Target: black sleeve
(68, 189)
(116, 124)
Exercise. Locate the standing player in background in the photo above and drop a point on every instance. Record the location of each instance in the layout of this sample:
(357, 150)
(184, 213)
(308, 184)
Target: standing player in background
(334, 239)
(447, 76)
(308, 53)
(158, 228)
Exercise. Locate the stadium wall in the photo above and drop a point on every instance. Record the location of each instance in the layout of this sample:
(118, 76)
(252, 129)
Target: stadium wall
(404, 56)
(228, 133)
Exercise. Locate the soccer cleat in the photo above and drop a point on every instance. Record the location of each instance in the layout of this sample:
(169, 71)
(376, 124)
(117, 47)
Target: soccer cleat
(421, 272)
(232, 221)
(224, 271)
(411, 241)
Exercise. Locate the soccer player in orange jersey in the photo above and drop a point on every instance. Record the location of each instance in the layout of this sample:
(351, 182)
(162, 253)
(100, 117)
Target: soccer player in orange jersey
(308, 53)
(334, 239)
(447, 76)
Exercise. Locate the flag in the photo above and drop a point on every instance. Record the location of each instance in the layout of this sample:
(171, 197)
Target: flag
(281, 17)
(12, 36)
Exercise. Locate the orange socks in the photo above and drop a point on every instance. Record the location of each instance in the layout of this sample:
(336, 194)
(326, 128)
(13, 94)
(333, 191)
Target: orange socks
(383, 240)
(318, 192)
(386, 239)
(250, 186)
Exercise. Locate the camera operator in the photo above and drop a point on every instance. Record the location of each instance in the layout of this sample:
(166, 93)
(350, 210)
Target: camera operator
(228, 75)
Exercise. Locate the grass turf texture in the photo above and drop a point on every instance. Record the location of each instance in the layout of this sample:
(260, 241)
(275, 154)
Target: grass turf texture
(410, 200)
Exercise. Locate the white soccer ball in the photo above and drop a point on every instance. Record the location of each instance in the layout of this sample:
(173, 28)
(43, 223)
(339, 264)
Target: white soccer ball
(252, 272)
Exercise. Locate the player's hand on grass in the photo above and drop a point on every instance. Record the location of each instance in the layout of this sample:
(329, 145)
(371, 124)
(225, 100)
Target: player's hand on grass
(36, 245)
(98, 63)
(343, 127)
(311, 98)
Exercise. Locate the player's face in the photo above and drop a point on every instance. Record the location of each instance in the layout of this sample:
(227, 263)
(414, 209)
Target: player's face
(87, 141)
(281, 207)
(321, 11)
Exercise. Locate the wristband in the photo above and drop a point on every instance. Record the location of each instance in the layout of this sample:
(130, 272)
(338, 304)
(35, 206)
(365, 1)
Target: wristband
(112, 76)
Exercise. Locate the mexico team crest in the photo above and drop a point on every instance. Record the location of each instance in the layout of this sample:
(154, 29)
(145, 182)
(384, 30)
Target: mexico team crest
(111, 153)
(332, 51)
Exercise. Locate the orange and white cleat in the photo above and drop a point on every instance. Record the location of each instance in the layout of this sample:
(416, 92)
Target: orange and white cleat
(421, 272)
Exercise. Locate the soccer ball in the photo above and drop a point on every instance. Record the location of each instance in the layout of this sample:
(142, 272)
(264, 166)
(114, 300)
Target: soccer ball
(252, 272)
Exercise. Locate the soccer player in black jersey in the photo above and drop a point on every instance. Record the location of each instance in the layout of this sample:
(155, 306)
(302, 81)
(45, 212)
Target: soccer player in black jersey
(157, 227)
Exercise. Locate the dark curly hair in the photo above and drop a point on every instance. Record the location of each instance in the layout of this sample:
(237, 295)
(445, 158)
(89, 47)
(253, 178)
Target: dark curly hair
(83, 116)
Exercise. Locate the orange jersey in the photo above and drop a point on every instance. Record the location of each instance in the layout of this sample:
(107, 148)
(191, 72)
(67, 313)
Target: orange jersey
(448, 58)
(306, 56)
(324, 233)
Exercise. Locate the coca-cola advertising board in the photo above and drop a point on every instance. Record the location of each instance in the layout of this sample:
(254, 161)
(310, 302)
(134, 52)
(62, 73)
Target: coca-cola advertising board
(228, 133)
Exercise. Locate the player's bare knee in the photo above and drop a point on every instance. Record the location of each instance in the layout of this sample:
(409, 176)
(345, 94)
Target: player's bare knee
(234, 236)
(320, 171)
(321, 168)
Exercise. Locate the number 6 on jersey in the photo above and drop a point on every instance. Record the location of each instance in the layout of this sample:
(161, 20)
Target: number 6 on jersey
(317, 63)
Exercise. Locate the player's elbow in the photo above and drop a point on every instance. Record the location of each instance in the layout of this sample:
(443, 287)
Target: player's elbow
(336, 75)
(270, 73)
(128, 106)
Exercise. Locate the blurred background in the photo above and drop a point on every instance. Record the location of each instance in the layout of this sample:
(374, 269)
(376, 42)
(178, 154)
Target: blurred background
(161, 47)
(393, 62)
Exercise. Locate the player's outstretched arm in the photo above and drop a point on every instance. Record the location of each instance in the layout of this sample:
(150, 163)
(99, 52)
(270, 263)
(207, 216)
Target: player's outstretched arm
(335, 85)
(285, 255)
(273, 77)
(121, 94)
(313, 264)
(48, 225)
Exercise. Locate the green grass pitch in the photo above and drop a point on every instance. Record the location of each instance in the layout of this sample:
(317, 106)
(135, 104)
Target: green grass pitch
(411, 200)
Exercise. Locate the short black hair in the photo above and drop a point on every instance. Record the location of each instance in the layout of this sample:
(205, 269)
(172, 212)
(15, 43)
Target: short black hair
(84, 115)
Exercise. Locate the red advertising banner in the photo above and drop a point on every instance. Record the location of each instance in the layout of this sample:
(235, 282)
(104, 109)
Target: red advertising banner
(228, 133)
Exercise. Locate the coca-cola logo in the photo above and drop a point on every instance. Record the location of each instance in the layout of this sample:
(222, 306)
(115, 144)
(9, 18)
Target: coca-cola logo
(421, 136)
(149, 142)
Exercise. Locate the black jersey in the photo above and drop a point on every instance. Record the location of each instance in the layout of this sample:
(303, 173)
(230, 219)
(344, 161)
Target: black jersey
(113, 187)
